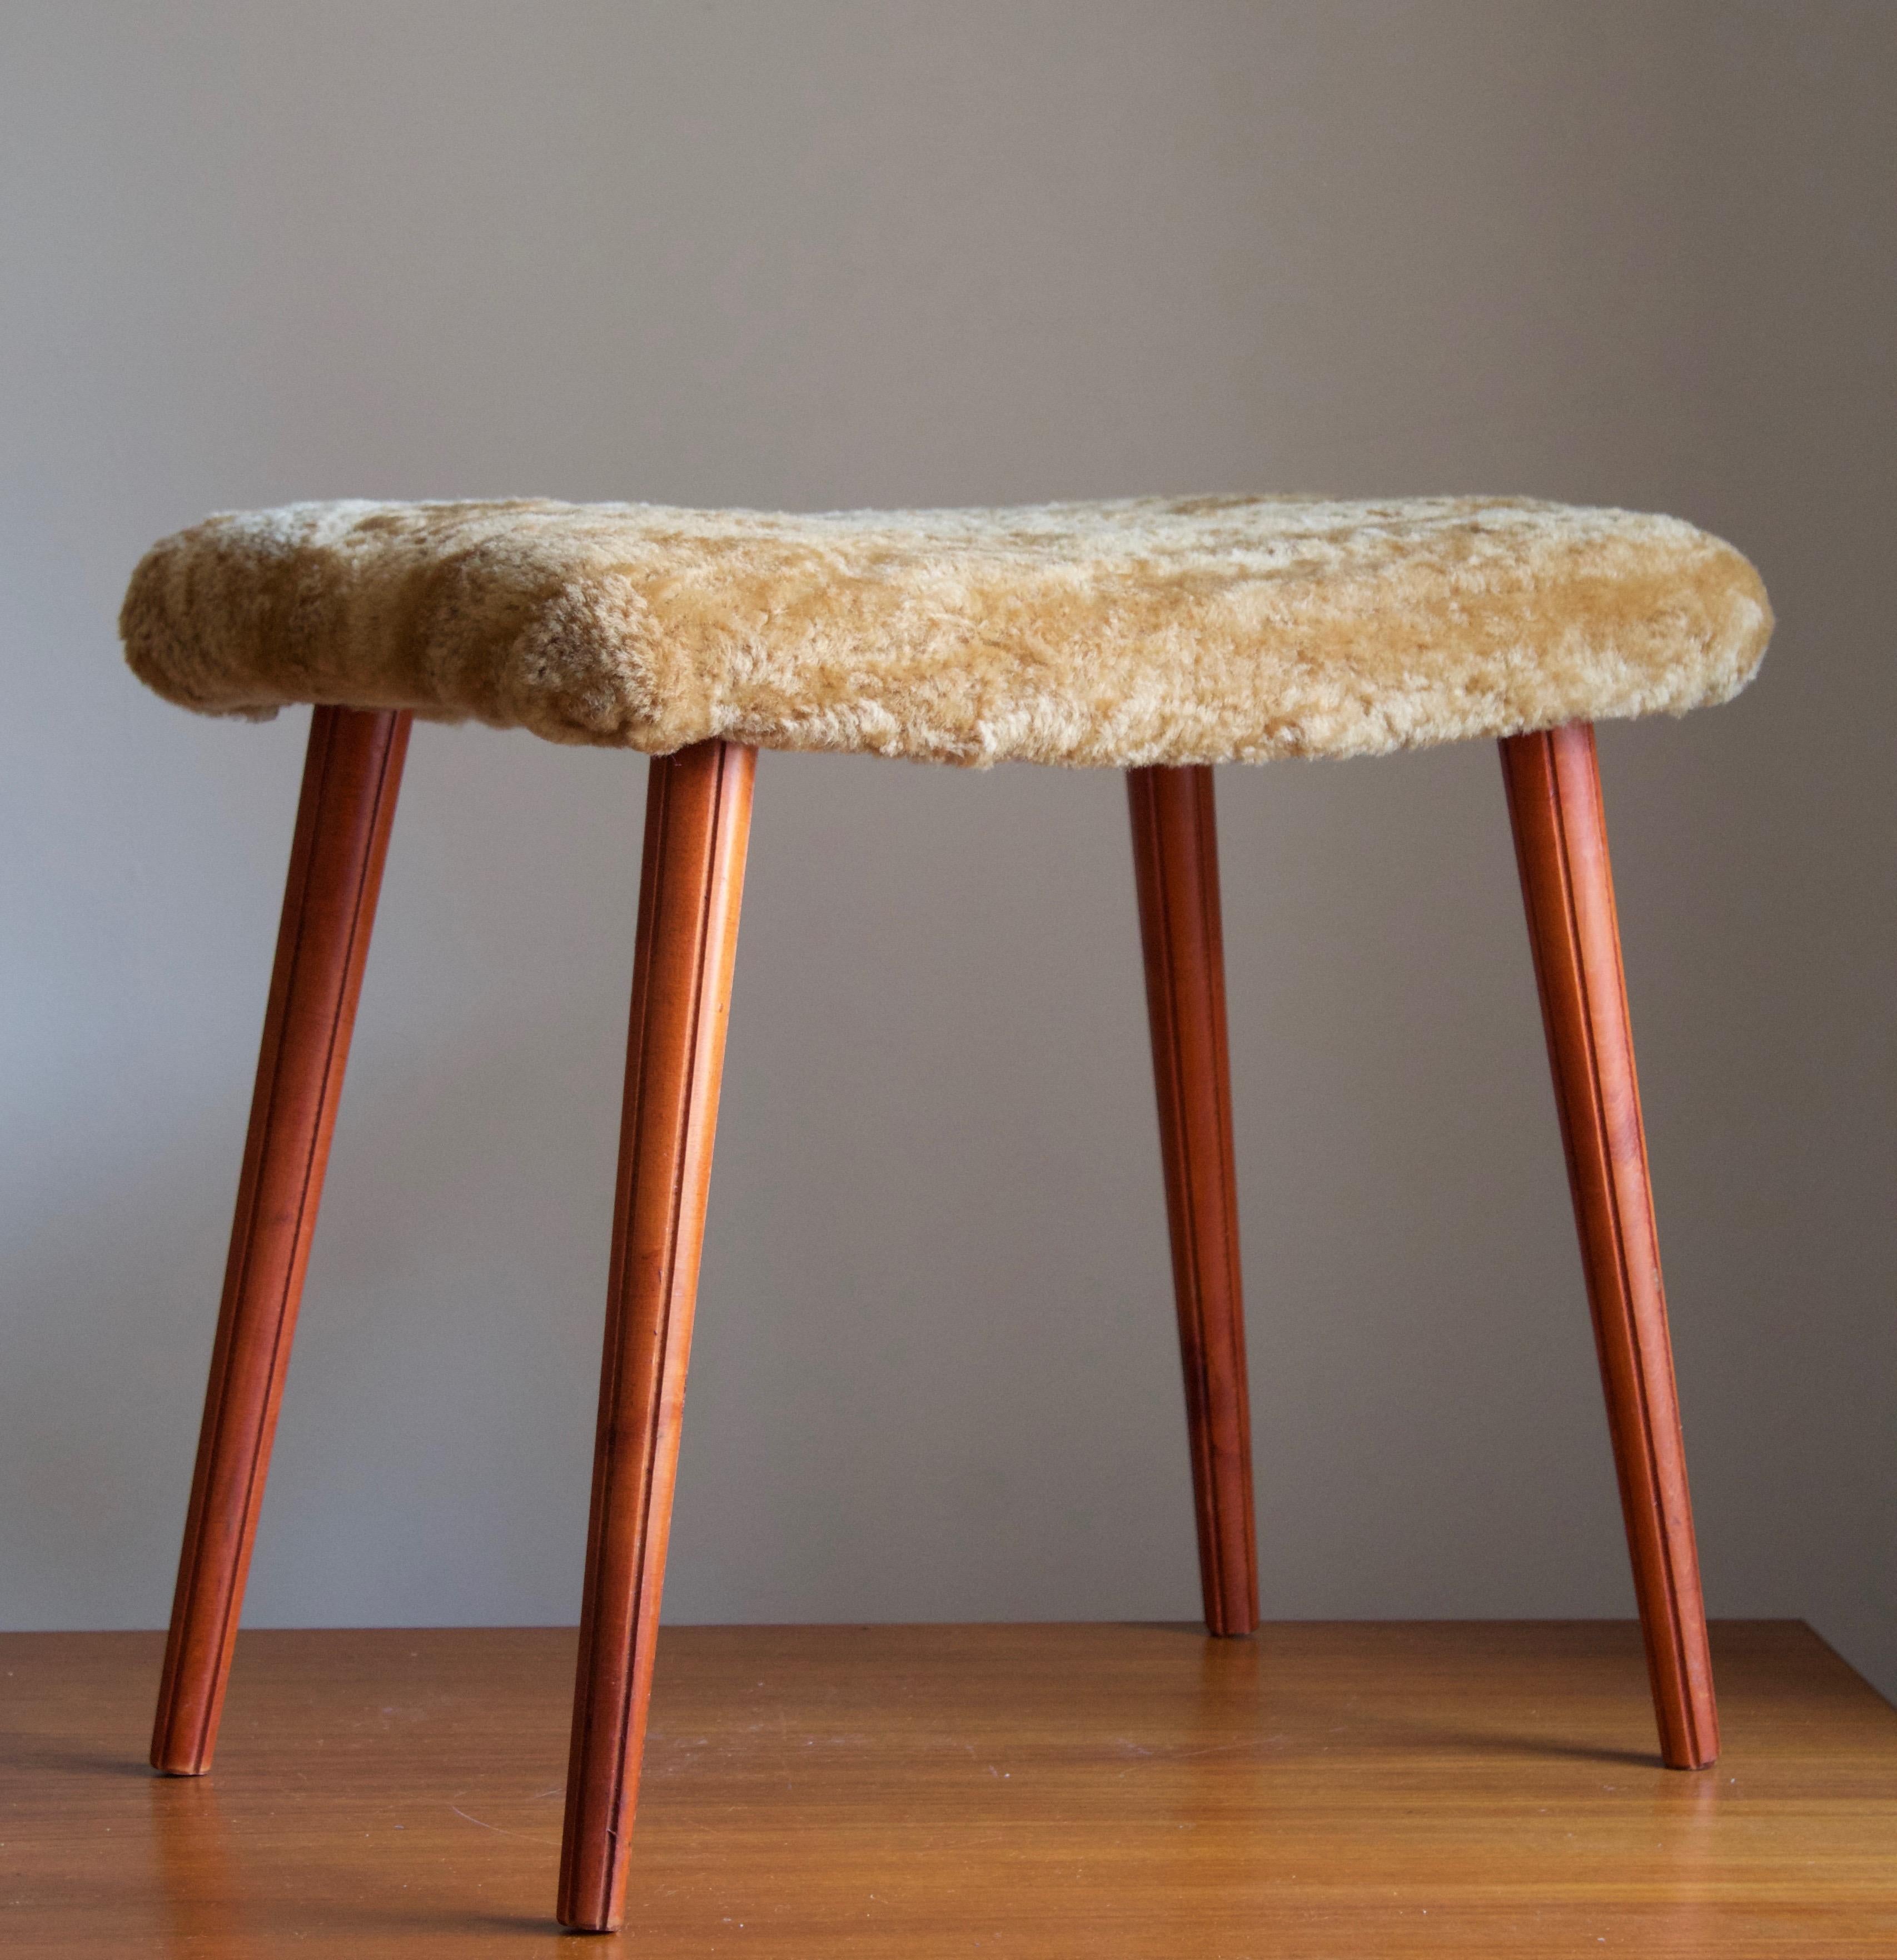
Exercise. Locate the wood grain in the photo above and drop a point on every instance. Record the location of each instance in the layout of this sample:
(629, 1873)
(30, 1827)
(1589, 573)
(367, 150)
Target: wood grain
(1176, 872)
(1560, 846)
(698, 817)
(352, 772)
(1329, 1793)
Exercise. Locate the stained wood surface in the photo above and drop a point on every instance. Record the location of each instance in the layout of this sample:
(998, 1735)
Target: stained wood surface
(353, 770)
(1134, 1792)
(698, 817)
(1561, 847)
(1176, 874)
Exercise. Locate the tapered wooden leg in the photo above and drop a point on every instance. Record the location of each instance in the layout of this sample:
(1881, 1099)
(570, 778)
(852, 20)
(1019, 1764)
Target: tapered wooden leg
(1560, 845)
(350, 779)
(1175, 868)
(698, 814)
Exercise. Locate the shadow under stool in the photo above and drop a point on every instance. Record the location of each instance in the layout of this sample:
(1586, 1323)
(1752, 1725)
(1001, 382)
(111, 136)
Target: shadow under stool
(1154, 636)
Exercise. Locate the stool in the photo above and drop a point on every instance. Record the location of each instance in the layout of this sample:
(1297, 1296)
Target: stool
(1157, 636)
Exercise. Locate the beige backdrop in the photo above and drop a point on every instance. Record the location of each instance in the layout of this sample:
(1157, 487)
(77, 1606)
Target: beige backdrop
(816, 253)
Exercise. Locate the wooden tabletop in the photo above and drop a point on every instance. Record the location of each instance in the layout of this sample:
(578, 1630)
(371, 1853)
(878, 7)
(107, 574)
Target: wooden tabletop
(1088, 1791)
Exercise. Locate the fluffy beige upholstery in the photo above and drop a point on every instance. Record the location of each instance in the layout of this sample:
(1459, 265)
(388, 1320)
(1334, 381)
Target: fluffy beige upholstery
(1155, 630)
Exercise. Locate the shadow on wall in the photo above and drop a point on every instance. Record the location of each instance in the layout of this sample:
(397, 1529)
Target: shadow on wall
(946, 1024)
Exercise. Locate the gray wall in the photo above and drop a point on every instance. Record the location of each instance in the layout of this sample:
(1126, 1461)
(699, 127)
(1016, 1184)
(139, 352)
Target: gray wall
(815, 255)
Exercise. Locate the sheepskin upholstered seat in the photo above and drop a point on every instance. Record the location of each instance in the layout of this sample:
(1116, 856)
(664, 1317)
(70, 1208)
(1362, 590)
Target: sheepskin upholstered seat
(1153, 630)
